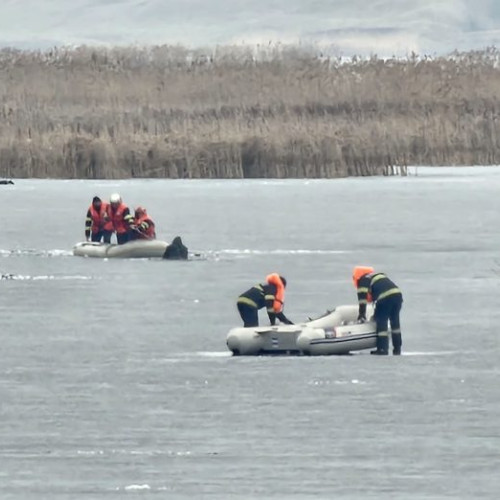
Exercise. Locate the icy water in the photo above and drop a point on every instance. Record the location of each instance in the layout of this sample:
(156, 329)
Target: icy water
(115, 381)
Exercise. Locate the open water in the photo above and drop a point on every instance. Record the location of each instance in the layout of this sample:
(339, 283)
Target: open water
(115, 381)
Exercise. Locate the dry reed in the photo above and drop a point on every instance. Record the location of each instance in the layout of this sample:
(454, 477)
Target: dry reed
(168, 112)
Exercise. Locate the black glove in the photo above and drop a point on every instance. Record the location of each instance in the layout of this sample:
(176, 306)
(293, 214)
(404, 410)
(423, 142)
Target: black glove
(361, 319)
(283, 319)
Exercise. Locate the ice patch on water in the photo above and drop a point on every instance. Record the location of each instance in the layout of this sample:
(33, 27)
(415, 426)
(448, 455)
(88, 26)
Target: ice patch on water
(202, 255)
(430, 353)
(149, 453)
(214, 354)
(249, 251)
(49, 277)
(188, 357)
(144, 487)
(35, 252)
(337, 382)
(89, 453)
(136, 487)
(192, 256)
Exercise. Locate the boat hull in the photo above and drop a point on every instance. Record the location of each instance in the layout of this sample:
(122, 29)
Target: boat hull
(335, 333)
(139, 249)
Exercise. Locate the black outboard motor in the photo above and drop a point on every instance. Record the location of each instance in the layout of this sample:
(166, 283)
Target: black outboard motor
(176, 250)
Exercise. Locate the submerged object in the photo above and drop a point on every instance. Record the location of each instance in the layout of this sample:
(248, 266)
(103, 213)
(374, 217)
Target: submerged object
(336, 332)
(176, 250)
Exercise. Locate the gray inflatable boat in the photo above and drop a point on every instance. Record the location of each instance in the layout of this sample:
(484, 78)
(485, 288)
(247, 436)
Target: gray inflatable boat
(139, 249)
(336, 332)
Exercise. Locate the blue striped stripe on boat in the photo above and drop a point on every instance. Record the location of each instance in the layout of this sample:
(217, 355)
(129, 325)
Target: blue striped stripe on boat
(339, 340)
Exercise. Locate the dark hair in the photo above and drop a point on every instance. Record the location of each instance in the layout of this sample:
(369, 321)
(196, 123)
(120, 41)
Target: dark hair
(283, 280)
(96, 199)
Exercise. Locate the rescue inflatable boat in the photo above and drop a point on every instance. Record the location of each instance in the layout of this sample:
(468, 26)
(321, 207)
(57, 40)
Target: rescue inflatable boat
(336, 332)
(139, 249)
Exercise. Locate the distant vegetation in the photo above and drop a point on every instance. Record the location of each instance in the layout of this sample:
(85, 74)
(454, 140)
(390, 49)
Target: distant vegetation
(236, 112)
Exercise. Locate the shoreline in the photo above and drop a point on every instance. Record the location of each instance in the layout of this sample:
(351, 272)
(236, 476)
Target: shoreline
(412, 171)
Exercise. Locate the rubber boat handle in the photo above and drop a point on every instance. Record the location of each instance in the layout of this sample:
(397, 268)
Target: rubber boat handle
(262, 331)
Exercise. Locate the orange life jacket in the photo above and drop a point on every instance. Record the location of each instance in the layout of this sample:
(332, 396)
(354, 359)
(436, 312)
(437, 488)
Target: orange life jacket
(100, 220)
(279, 298)
(358, 273)
(120, 225)
(149, 233)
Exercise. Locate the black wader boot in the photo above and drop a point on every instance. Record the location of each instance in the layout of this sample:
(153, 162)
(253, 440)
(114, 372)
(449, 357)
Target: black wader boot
(396, 344)
(382, 345)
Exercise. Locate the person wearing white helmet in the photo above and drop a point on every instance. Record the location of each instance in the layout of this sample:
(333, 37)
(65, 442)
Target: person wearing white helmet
(123, 221)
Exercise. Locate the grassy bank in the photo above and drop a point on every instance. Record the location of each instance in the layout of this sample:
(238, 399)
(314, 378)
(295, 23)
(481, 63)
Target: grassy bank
(166, 112)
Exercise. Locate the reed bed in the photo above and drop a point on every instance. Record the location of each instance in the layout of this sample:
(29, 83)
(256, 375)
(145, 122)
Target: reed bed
(234, 112)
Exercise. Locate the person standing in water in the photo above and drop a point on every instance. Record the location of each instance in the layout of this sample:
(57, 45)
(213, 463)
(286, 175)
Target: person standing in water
(378, 288)
(271, 295)
(144, 227)
(97, 224)
(121, 218)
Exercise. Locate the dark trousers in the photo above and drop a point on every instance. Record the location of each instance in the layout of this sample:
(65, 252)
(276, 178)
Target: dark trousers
(97, 237)
(105, 236)
(387, 312)
(122, 238)
(249, 315)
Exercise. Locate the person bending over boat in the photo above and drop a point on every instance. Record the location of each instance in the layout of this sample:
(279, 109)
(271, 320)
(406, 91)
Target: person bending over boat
(377, 287)
(144, 227)
(123, 221)
(270, 295)
(97, 224)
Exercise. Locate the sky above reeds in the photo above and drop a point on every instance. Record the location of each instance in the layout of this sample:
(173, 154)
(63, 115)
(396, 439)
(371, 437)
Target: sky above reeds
(344, 27)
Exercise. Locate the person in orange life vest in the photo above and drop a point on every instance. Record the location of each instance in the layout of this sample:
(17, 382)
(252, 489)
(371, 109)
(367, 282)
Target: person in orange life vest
(123, 221)
(144, 225)
(270, 294)
(97, 224)
(377, 287)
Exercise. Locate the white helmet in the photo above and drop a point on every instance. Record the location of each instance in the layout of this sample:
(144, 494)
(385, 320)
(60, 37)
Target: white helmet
(115, 198)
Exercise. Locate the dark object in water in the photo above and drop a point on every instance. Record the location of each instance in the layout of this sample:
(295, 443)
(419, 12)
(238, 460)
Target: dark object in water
(5, 181)
(176, 250)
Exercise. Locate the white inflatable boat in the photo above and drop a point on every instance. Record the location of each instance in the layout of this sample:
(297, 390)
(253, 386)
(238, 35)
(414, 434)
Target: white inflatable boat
(337, 332)
(139, 249)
